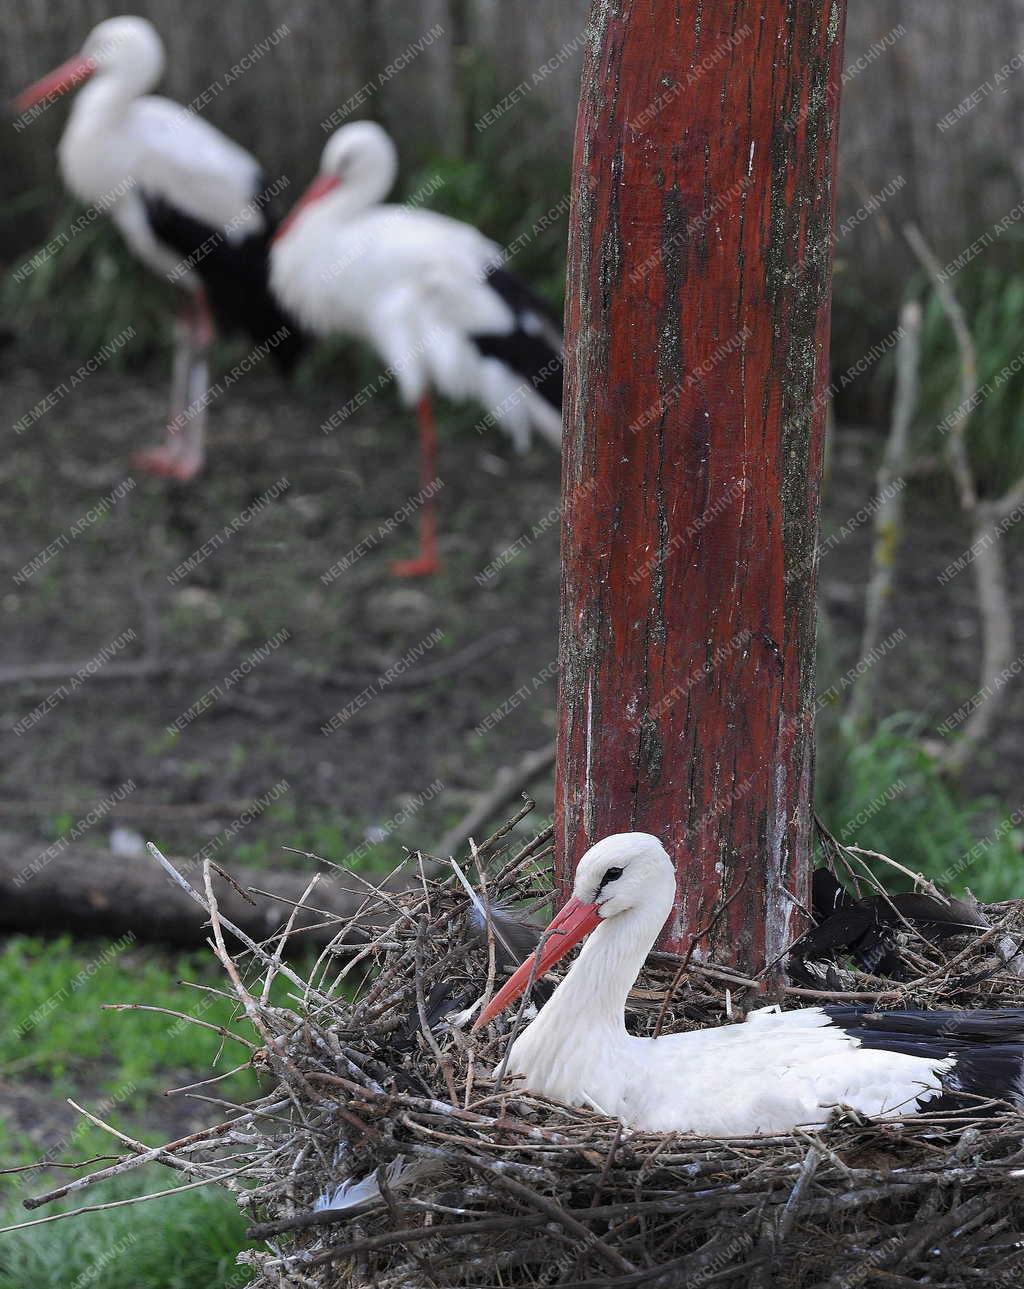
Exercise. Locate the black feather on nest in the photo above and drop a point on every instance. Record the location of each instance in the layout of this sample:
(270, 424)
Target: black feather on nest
(868, 929)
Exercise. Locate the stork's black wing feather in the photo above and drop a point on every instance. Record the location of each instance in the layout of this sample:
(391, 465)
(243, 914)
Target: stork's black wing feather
(533, 349)
(866, 928)
(986, 1048)
(236, 275)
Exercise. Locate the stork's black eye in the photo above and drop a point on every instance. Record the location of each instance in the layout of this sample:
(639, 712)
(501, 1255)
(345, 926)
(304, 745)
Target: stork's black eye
(611, 875)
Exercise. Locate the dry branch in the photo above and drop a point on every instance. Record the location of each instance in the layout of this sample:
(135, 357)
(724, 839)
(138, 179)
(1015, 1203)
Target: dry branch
(510, 784)
(959, 459)
(987, 563)
(151, 665)
(889, 514)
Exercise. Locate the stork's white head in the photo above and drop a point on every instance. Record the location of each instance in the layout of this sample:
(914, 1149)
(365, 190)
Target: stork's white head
(125, 53)
(128, 48)
(626, 871)
(627, 876)
(359, 162)
(361, 155)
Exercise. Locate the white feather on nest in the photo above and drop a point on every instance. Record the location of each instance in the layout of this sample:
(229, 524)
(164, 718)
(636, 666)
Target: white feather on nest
(352, 1191)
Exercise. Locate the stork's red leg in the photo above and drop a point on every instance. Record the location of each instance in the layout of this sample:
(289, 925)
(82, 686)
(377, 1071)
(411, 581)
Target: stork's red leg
(182, 453)
(426, 562)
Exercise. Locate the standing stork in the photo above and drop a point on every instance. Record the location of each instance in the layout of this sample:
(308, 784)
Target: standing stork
(184, 197)
(427, 292)
(775, 1072)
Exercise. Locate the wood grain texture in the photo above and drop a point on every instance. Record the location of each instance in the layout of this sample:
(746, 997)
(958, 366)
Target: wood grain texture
(697, 334)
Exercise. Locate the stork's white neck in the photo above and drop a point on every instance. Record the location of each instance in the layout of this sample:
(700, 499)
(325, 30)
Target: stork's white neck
(576, 1043)
(595, 990)
(106, 96)
(352, 197)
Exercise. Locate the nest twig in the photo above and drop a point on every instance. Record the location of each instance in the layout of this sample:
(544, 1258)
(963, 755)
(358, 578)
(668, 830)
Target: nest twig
(447, 1181)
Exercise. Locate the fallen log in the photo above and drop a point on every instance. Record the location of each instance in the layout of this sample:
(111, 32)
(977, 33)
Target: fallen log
(92, 892)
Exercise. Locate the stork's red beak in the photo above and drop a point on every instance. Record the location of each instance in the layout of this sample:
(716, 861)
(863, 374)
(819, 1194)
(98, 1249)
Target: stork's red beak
(320, 187)
(63, 78)
(563, 933)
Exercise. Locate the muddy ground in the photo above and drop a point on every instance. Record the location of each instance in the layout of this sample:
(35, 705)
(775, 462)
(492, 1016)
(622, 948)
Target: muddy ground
(457, 647)
(462, 642)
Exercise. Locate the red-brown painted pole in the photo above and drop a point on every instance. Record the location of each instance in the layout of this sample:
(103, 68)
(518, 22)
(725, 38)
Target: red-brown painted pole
(697, 335)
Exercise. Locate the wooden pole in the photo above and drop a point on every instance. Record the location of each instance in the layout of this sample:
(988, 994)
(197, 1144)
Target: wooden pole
(696, 335)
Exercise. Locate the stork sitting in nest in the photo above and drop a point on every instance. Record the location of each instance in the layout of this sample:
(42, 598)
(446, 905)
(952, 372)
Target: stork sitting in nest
(770, 1074)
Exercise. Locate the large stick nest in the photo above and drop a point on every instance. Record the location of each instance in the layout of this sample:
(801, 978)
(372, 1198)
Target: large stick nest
(454, 1180)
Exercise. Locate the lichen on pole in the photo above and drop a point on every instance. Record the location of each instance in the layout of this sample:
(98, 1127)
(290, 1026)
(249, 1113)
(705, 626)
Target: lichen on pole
(697, 330)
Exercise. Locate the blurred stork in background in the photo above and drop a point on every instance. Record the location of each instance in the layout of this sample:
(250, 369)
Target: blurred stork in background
(186, 199)
(427, 292)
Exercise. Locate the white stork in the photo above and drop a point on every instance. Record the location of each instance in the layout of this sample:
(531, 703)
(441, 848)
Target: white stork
(427, 292)
(776, 1071)
(186, 200)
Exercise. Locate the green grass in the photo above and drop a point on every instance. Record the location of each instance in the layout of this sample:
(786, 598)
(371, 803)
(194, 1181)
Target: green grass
(886, 794)
(321, 832)
(87, 291)
(59, 1042)
(57, 1032)
(186, 1241)
(356, 843)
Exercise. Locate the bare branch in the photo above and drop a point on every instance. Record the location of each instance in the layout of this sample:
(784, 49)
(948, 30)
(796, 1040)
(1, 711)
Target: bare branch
(889, 515)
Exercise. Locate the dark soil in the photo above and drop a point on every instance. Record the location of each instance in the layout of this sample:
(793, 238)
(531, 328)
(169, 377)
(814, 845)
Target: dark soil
(497, 638)
(404, 734)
